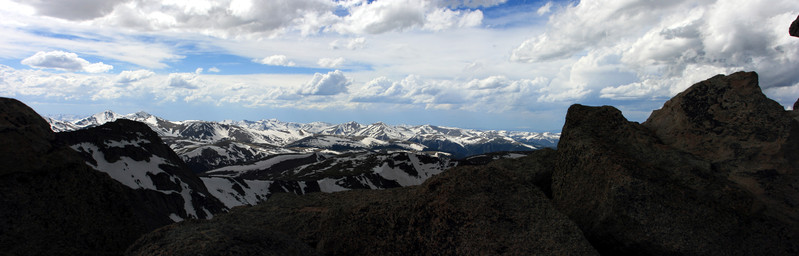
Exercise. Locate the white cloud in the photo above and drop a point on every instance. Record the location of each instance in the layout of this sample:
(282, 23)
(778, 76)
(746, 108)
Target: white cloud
(383, 90)
(214, 70)
(546, 8)
(471, 3)
(64, 61)
(276, 60)
(127, 76)
(654, 49)
(351, 44)
(183, 80)
(490, 94)
(74, 9)
(383, 16)
(442, 19)
(330, 62)
(332, 83)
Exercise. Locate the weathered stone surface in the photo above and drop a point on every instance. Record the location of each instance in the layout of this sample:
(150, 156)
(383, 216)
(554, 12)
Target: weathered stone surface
(487, 210)
(669, 190)
(729, 122)
(191, 237)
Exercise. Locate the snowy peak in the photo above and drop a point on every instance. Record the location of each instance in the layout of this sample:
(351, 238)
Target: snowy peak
(384, 132)
(347, 129)
(98, 119)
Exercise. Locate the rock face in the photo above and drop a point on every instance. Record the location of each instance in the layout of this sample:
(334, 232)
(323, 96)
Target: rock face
(51, 203)
(488, 210)
(134, 155)
(794, 29)
(729, 122)
(711, 173)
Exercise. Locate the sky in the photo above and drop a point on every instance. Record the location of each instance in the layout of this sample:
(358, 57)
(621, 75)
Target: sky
(480, 64)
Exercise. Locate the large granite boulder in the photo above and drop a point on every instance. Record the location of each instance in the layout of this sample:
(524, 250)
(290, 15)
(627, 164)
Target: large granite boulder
(751, 139)
(674, 186)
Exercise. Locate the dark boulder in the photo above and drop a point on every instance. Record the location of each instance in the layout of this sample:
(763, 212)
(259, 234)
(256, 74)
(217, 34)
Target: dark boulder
(749, 138)
(663, 189)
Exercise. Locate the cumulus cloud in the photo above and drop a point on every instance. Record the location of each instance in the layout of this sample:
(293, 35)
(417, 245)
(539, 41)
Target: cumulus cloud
(127, 76)
(384, 16)
(264, 19)
(276, 60)
(330, 62)
(492, 94)
(645, 49)
(214, 70)
(74, 9)
(471, 3)
(64, 61)
(183, 80)
(382, 89)
(441, 19)
(332, 83)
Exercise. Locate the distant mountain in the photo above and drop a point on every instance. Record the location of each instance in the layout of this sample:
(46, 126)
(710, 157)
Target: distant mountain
(132, 154)
(316, 172)
(206, 145)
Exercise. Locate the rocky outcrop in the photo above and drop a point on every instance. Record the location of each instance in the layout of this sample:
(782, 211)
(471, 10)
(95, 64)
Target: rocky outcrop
(711, 173)
(728, 122)
(794, 29)
(51, 203)
(487, 210)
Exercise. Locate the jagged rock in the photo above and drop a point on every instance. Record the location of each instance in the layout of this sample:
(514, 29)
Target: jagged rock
(51, 203)
(486, 210)
(794, 29)
(729, 122)
(669, 190)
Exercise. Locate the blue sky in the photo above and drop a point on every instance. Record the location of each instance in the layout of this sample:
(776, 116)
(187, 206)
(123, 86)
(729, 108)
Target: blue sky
(483, 64)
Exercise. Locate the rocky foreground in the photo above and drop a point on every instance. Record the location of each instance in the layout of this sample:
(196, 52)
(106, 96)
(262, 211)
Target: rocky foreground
(714, 172)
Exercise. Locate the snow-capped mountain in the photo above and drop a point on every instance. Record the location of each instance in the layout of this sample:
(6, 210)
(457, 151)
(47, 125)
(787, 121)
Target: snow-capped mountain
(206, 145)
(132, 154)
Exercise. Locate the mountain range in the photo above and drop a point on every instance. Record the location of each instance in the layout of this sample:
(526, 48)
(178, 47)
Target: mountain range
(207, 145)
